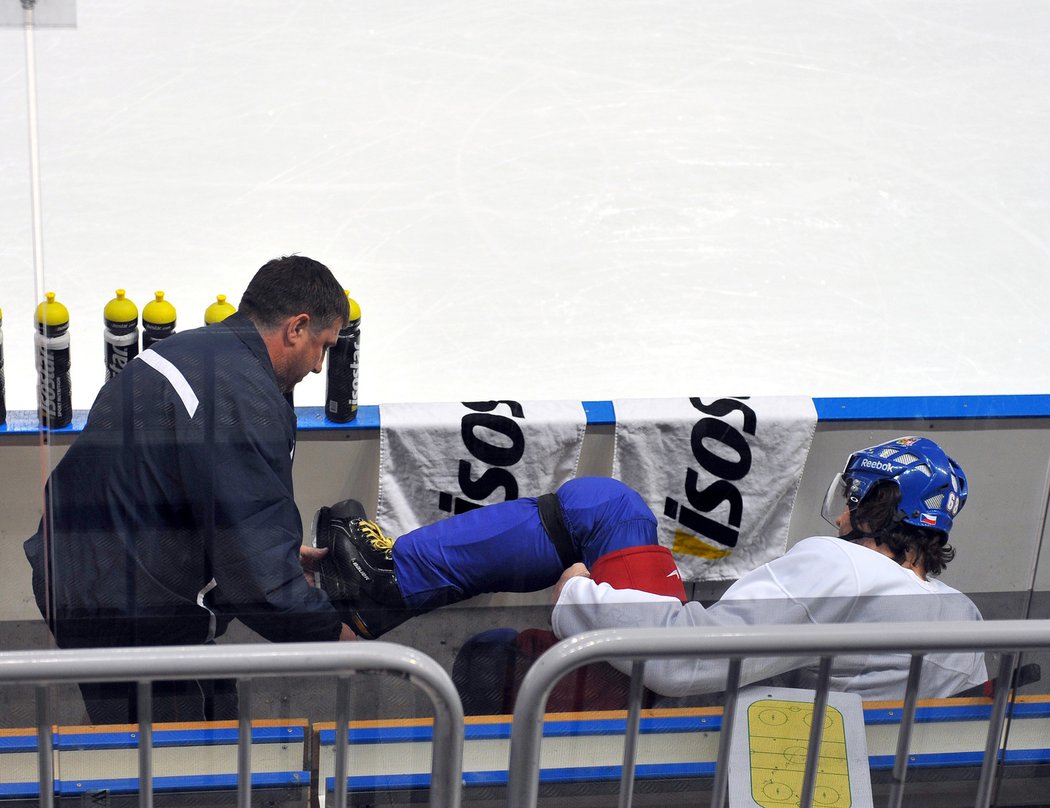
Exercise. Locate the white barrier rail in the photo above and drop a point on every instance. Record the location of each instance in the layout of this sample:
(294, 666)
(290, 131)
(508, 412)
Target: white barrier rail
(1008, 638)
(245, 663)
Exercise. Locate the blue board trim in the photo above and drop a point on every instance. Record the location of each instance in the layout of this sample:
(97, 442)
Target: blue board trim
(26, 422)
(202, 782)
(929, 715)
(311, 419)
(17, 743)
(934, 760)
(939, 408)
(381, 782)
(175, 738)
(10, 790)
(551, 729)
(599, 413)
(602, 413)
(617, 726)
(962, 712)
(1027, 756)
(583, 774)
(369, 735)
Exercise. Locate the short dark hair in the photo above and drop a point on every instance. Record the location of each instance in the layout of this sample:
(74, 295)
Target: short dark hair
(294, 285)
(878, 512)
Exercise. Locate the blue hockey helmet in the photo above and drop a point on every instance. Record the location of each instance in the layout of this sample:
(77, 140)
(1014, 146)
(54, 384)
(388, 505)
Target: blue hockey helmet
(932, 486)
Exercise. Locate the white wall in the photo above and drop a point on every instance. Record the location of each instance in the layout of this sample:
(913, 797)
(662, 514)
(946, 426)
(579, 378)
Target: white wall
(581, 200)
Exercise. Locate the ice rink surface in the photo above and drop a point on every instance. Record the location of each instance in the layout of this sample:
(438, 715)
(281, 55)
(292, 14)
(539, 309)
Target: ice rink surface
(581, 200)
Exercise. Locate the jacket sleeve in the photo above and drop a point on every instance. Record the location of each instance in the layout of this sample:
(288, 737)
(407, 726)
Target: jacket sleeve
(254, 552)
(758, 598)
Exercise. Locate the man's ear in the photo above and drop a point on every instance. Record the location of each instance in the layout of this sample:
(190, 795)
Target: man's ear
(295, 328)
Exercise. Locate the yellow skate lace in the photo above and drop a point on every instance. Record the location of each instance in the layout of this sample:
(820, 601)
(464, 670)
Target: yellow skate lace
(376, 538)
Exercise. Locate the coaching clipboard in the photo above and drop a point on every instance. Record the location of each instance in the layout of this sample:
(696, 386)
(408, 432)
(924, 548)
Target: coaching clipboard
(767, 759)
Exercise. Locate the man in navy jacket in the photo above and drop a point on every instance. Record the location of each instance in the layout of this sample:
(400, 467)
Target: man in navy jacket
(173, 512)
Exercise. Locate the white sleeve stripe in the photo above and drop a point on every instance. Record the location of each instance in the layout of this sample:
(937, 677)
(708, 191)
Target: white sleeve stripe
(175, 378)
(213, 623)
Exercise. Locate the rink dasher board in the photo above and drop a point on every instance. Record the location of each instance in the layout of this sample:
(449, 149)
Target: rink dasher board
(186, 757)
(679, 743)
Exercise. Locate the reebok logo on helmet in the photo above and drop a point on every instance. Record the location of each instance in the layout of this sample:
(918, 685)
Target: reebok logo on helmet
(877, 465)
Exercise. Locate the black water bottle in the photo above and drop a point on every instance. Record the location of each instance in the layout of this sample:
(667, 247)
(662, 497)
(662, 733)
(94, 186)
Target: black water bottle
(121, 333)
(54, 397)
(158, 320)
(341, 387)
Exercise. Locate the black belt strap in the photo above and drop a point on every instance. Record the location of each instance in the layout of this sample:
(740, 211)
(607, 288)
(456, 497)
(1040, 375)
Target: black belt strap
(553, 521)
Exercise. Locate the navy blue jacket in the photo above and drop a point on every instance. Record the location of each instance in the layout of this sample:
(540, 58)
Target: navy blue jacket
(173, 513)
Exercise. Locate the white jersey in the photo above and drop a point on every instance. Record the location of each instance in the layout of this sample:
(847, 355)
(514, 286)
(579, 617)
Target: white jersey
(819, 580)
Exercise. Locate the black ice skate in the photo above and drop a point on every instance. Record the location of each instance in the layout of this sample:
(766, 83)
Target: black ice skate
(358, 572)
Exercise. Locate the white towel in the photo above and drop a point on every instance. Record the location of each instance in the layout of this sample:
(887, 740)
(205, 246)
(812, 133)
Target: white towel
(720, 474)
(437, 459)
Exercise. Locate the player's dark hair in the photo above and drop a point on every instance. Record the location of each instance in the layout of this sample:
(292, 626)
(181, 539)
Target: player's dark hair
(294, 285)
(879, 516)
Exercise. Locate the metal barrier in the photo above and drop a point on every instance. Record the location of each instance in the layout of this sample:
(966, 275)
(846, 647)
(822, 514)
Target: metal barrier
(1008, 638)
(245, 662)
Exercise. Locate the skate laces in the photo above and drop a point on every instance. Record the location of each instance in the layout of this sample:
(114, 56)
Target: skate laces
(379, 542)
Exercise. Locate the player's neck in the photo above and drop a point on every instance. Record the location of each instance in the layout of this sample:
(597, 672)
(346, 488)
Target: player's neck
(909, 562)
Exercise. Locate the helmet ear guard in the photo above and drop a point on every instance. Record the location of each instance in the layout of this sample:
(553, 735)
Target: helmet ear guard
(932, 486)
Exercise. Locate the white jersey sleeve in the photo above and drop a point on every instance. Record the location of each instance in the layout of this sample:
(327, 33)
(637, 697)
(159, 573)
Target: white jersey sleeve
(762, 597)
(820, 580)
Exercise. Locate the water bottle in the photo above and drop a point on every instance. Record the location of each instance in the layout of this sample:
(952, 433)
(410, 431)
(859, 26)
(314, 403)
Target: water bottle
(121, 333)
(341, 387)
(3, 402)
(54, 400)
(218, 311)
(158, 320)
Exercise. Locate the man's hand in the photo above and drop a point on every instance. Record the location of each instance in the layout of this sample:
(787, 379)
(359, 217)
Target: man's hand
(308, 560)
(345, 633)
(577, 570)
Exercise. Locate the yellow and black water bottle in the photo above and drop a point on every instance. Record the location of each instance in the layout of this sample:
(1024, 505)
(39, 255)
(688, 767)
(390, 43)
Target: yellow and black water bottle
(3, 400)
(158, 320)
(342, 378)
(54, 399)
(218, 311)
(121, 319)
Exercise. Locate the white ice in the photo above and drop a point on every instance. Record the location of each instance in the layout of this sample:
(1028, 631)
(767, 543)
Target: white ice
(580, 200)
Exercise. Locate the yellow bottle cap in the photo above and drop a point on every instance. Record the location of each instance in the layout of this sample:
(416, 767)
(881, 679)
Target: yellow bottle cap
(218, 311)
(355, 310)
(158, 311)
(120, 309)
(51, 312)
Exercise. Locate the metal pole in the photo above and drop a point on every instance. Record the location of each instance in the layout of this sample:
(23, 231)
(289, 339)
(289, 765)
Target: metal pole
(342, 744)
(34, 148)
(725, 735)
(446, 749)
(145, 711)
(630, 737)
(45, 748)
(900, 762)
(816, 734)
(244, 743)
(986, 784)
